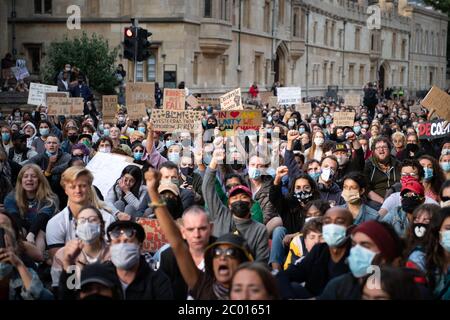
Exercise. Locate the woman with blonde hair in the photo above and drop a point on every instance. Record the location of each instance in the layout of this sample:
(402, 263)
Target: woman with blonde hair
(33, 203)
(316, 150)
(399, 144)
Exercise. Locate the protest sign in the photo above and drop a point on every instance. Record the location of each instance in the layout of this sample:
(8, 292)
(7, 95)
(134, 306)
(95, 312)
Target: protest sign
(136, 111)
(416, 108)
(265, 97)
(439, 101)
(36, 94)
(65, 106)
(304, 108)
(273, 102)
(243, 120)
(434, 129)
(231, 100)
(174, 99)
(289, 95)
(154, 237)
(192, 101)
(171, 120)
(55, 95)
(344, 119)
(208, 101)
(352, 100)
(109, 106)
(107, 168)
(20, 71)
(143, 92)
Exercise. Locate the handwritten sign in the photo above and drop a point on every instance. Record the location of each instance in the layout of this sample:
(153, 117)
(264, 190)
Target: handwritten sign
(208, 101)
(192, 101)
(174, 99)
(36, 94)
(434, 129)
(65, 106)
(154, 237)
(136, 111)
(304, 108)
(171, 120)
(289, 95)
(344, 119)
(439, 101)
(231, 100)
(243, 120)
(140, 93)
(352, 100)
(109, 106)
(265, 97)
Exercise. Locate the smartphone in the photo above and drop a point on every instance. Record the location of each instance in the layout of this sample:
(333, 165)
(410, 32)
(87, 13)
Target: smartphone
(189, 180)
(2, 238)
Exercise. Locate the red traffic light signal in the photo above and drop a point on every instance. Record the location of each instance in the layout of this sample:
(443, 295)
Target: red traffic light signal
(130, 43)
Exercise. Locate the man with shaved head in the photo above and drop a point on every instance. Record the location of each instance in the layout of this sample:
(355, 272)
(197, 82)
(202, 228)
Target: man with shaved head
(324, 262)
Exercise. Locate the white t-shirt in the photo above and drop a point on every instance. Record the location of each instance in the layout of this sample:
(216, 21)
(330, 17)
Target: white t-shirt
(61, 228)
(394, 201)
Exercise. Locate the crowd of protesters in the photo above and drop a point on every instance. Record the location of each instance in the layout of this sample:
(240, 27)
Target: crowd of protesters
(300, 209)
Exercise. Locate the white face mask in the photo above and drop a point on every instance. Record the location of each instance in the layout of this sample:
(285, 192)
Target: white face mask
(104, 150)
(327, 174)
(319, 141)
(125, 255)
(88, 232)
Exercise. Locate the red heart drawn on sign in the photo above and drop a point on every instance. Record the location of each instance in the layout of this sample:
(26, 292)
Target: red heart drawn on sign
(234, 114)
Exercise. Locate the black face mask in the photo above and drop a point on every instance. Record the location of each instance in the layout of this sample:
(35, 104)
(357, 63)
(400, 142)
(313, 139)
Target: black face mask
(72, 139)
(211, 125)
(410, 204)
(420, 229)
(411, 147)
(187, 171)
(240, 208)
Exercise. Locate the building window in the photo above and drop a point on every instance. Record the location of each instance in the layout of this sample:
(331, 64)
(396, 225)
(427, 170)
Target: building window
(325, 33)
(207, 13)
(303, 24)
(315, 32)
(402, 76)
(351, 75)
(358, 39)
(151, 68)
(394, 45)
(425, 44)
(341, 32)
(267, 16)
(140, 71)
(224, 62)
(43, 6)
(258, 67)
(333, 31)
(195, 69)
(295, 24)
(224, 11)
(246, 14)
(361, 74)
(34, 55)
(324, 75)
(403, 49)
(281, 11)
(331, 73)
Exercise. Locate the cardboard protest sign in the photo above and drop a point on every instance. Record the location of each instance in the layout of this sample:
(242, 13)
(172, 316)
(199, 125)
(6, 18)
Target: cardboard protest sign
(154, 237)
(65, 106)
(136, 111)
(174, 99)
(289, 95)
(55, 95)
(171, 120)
(231, 100)
(143, 92)
(273, 102)
(192, 101)
(36, 94)
(304, 108)
(352, 100)
(265, 97)
(439, 101)
(208, 101)
(434, 129)
(344, 119)
(107, 168)
(109, 106)
(243, 120)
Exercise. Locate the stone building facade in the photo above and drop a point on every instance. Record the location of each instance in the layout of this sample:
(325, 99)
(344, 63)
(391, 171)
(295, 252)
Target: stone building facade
(218, 45)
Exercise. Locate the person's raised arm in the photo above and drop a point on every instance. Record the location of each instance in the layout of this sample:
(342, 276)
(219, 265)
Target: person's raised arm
(186, 263)
(150, 142)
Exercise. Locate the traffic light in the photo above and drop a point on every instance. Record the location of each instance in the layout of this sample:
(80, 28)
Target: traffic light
(129, 43)
(143, 44)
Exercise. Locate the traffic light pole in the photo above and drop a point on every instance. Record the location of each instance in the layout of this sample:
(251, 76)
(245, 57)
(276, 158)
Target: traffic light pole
(135, 23)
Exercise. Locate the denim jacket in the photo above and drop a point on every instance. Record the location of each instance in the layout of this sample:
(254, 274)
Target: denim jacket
(366, 213)
(399, 220)
(36, 291)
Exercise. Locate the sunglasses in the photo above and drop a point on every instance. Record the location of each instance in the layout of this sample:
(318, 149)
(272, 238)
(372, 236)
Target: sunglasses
(116, 233)
(229, 252)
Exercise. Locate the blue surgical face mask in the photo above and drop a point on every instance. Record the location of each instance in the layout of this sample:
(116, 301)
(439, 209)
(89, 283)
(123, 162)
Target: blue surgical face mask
(254, 173)
(141, 129)
(357, 129)
(445, 166)
(301, 130)
(138, 156)
(6, 136)
(328, 120)
(428, 172)
(101, 128)
(445, 240)
(125, 255)
(44, 132)
(174, 157)
(359, 260)
(50, 154)
(169, 143)
(334, 234)
(106, 132)
(315, 175)
(88, 232)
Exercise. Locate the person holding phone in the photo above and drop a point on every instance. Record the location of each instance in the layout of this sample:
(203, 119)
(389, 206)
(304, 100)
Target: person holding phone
(189, 179)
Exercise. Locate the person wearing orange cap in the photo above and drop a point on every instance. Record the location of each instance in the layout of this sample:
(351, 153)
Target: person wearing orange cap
(412, 195)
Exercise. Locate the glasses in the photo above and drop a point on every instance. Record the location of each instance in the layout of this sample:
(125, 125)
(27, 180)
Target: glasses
(116, 233)
(409, 175)
(92, 219)
(229, 252)
(382, 148)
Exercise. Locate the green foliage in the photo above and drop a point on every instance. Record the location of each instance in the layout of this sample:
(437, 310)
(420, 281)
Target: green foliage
(92, 56)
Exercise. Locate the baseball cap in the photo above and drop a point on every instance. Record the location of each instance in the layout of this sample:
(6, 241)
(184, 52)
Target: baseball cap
(169, 186)
(98, 273)
(240, 189)
(413, 185)
(140, 233)
(340, 147)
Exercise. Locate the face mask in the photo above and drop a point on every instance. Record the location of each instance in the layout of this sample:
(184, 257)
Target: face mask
(445, 166)
(174, 157)
(104, 150)
(327, 174)
(321, 122)
(44, 132)
(328, 121)
(87, 143)
(88, 232)
(380, 116)
(254, 173)
(5, 270)
(6, 136)
(240, 208)
(269, 118)
(412, 147)
(428, 173)
(404, 116)
(363, 118)
(410, 204)
(303, 196)
(73, 138)
(365, 126)
(138, 156)
(169, 143)
(351, 196)
(106, 132)
(291, 124)
(187, 171)
(141, 129)
(342, 160)
(445, 240)
(319, 141)
(50, 154)
(301, 130)
(125, 255)
(357, 129)
(334, 234)
(420, 229)
(314, 175)
(445, 151)
(130, 131)
(359, 260)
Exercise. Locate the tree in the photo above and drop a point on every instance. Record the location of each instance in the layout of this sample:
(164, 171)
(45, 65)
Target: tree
(92, 56)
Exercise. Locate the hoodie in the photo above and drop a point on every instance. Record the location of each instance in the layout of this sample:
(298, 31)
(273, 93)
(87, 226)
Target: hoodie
(30, 139)
(379, 181)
